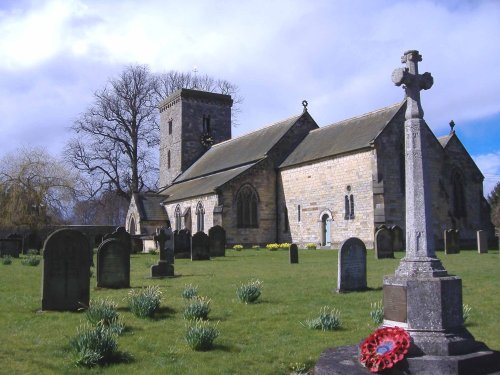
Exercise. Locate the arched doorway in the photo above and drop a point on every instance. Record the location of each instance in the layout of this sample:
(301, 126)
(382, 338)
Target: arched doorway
(326, 235)
(131, 229)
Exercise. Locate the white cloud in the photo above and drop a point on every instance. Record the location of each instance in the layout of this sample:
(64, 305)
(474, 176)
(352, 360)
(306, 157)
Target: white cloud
(489, 164)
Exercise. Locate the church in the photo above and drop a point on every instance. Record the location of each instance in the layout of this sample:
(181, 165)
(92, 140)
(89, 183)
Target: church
(296, 181)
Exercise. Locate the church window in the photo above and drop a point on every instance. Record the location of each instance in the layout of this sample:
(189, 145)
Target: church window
(349, 207)
(206, 125)
(178, 217)
(298, 213)
(286, 228)
(200, 217)
(170, 127)
(457, 183)
(168, 159)
(351, 212)
(246, 207)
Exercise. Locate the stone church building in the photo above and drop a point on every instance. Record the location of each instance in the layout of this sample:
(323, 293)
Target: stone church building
(294, 181)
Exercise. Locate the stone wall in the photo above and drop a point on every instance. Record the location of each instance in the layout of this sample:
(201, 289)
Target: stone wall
(319, 188)
(209, 202)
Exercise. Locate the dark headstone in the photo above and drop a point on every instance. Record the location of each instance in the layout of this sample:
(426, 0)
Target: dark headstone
(121, 234)
(200, 249)
(352, 266)
(113, 264)
(217, 239)
(182, 244)
(165, 267)
(384, 247)
(66, 271)
(11, 247)
(137, 244)
(293, 253)
(398, 238)
(482, 241)
(451, 241)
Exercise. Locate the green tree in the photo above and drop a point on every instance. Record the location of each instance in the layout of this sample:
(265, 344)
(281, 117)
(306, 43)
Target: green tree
(494, 201)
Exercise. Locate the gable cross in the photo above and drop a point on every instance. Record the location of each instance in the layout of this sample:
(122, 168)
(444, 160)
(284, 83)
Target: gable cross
(412, 83)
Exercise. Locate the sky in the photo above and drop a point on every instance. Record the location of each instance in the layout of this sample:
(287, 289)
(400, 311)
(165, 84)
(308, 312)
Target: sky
(336, 54)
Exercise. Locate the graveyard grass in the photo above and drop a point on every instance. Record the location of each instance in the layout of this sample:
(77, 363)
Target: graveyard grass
(262, 338)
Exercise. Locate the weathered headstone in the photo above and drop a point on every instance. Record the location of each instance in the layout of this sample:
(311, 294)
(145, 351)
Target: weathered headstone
(121, 234)
(384, 244)
(398, 238)
(451, 241)
(137, 244)
(66, 271)
(352, 266)
(217, 239)
(11, 247)
(293, 253)
(113, 264)
(165, 267)
(182, 244)
(482, 242)
(200, 249)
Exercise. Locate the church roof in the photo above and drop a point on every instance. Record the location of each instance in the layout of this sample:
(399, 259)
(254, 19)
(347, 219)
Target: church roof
(344, 136)
(149, 206)
(445, 139)
(239, 151)
(202, 185)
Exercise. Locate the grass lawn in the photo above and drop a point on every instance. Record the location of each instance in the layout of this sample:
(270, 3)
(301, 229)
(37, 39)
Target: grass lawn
(262, 338)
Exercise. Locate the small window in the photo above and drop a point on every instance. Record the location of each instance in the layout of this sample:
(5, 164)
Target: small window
(168, 159)
(170, 127)
(351, 212)
(206, 125)
(298, 213)
(349, 207)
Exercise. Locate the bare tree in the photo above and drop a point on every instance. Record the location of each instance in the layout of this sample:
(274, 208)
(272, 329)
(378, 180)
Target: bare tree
(35, 189)
(116, 137)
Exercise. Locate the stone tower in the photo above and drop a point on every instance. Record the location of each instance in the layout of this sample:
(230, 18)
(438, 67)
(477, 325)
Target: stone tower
(190, 122)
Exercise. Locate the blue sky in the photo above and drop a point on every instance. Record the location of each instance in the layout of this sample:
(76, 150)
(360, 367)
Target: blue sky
(338, 55)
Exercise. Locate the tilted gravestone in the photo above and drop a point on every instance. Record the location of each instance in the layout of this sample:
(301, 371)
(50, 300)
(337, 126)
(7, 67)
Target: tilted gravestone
(352, 266)
(121, 234)
(200, 249)
(482, 242)
(113, 264)
(293, 252)
(66, 271)
(217, 241)
(451, 241)
(398, 238)
(384, 244)
(182, 244)
(165, 267)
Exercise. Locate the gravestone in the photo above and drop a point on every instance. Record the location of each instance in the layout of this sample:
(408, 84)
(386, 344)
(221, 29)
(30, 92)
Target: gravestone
(384, 244)
(293, 253)
(398, 238)
(217, 241)
(165, 267)
(136, 244)
(121, 234)
(113, 264)
(182, 244)
(351, 266)
(66, 271)
(200, 249)
(11, 247)
(482, 242)
(451, 241)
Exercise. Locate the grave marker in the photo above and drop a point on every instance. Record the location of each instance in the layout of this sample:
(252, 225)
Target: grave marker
(451, 241)
(293, 252)
(182, 244)
(66, 271)
(200, 249)
(384, 243)
(482, 242)
(165, 267)
(351, 266)
(113, 264)
(217, 240)
(121, 234)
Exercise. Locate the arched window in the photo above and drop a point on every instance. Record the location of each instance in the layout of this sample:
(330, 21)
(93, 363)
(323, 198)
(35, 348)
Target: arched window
(351, 212)
(457, 185)
(131, 227)
(349, 207)
(200, 217)
(246, 206)
(178, 216)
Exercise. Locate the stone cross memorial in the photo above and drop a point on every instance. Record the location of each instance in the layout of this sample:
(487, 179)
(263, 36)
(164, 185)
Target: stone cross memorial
(217, 239)
(66, 271)
(165, 267)
(200, 249)
(384, 246)
(113, 264)
(293, 253)
(451, 241)
(351, 266)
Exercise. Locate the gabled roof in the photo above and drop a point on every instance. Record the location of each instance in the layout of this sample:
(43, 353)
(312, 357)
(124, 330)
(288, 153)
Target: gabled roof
(445, 139)
(344, 136)
(239, 151)
(149, 206)
(202, 185)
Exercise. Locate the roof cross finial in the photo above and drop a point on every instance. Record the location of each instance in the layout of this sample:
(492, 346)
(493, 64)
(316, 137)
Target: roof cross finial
(195, 71)
(412, 83)
(452, 126)
(304, 103)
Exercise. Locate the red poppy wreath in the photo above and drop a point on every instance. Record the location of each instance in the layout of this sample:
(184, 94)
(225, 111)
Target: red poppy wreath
(383, 348)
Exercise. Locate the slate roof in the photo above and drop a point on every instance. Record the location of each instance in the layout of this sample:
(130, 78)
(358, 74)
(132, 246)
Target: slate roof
(149, 206)
(344, 136)
(202, 185)
(239, 151)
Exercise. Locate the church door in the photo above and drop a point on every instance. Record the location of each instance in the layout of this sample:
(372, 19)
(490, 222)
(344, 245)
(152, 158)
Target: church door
(325, 231)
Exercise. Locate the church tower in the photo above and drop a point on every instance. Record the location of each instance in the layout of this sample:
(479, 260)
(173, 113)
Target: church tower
(190, 122)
